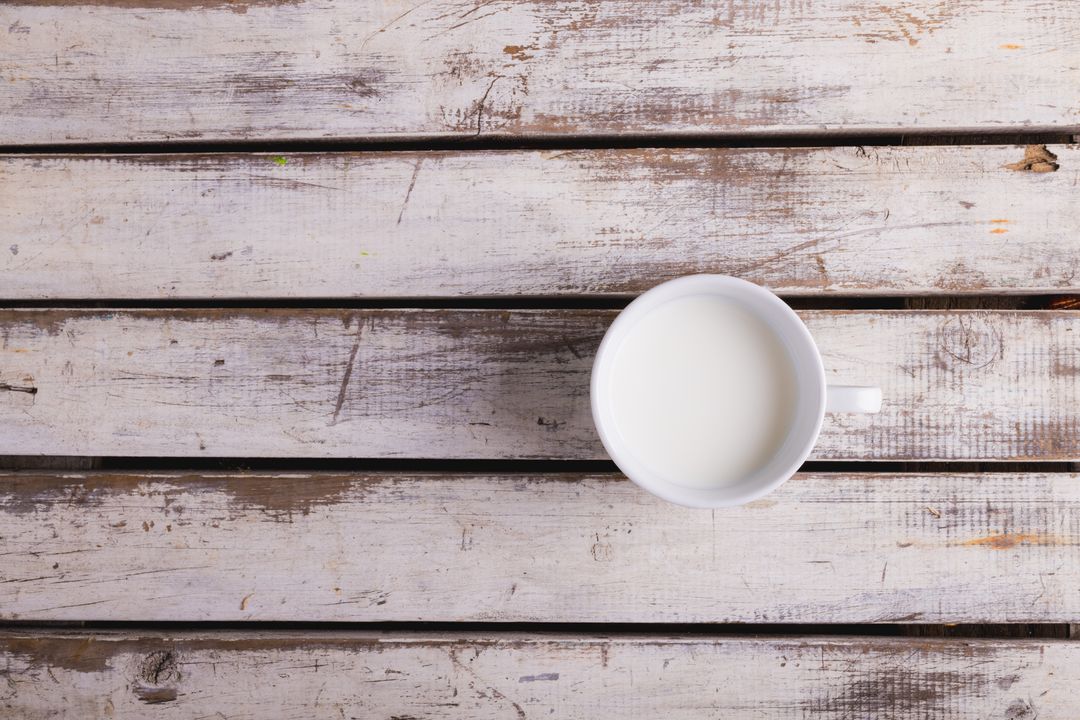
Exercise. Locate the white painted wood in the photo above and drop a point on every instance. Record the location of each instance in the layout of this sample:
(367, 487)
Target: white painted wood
(978, 385)
(801, 221)
(152, 70)
(363, 675)
(824, 548)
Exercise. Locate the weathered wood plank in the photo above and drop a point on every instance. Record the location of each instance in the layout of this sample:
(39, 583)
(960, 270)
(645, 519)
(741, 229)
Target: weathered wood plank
(801, 221)
(825, 548)
(993, 385)
(153, 70)
(335, 675)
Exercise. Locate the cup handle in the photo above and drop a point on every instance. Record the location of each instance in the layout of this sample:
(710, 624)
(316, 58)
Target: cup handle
(852, 399)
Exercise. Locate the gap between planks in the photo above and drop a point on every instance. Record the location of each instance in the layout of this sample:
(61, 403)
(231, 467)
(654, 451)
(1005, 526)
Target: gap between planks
(488, 143)
(971, 631)
(553, 302)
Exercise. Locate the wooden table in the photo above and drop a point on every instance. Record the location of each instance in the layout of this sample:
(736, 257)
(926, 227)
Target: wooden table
(299, 304)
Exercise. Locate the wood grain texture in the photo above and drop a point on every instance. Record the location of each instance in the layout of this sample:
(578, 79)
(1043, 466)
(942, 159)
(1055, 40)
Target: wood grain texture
(800, 221)
(958, 385)
(824, 548)
(158, 70)
(354, 675)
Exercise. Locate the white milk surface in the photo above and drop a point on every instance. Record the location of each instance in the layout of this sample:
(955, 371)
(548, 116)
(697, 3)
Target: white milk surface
(703, 391)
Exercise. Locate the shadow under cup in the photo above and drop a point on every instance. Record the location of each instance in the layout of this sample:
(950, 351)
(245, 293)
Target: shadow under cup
(808, 401)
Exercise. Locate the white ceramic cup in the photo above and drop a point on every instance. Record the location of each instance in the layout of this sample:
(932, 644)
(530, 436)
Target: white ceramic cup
(813, 398)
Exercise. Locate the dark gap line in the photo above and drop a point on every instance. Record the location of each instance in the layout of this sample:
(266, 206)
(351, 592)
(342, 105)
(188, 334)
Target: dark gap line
(129, 464)
(885, 629)
(569, 302)
(560, 142)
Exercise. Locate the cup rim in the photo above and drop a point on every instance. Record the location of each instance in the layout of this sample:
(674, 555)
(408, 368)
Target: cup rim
(683, 287)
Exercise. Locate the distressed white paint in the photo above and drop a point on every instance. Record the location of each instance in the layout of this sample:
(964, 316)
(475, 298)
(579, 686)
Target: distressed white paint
(361, 675)
(801, 221)
(824, 548)
(992, 385)
(180, 70)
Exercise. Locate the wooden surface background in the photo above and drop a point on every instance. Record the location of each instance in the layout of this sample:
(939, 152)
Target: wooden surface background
(299, 301)
(958, 385)
(436, 547)
(565, 223)
(320, 674)
(161, 70)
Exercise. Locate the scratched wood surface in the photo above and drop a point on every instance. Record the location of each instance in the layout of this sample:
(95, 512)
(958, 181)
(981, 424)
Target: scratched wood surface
(971, 385)
(928, 224)
(159, 70)
(406, 224)
(357, 675)
(827, 548)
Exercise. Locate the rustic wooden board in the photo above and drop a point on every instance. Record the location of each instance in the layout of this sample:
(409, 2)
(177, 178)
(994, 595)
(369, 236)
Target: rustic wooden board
(360, 675)
(992, 385)
(152, 70)
(801, 221)
(825, 548)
